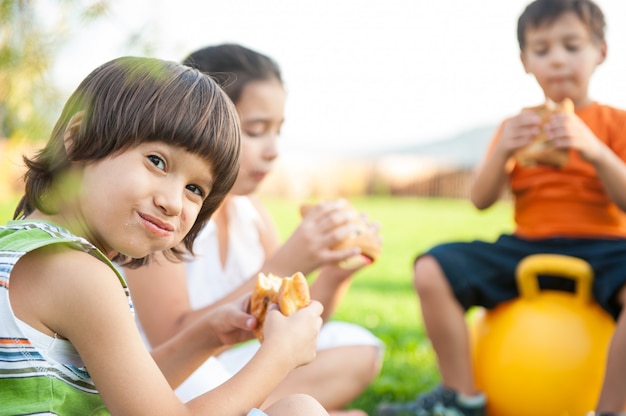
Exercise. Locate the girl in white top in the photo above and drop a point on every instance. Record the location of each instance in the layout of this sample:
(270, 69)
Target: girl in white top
(241, 240)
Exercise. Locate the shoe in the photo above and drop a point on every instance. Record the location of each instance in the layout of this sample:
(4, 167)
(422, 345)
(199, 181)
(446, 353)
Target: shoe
(606, 414)
(592, 413)
(441, 401)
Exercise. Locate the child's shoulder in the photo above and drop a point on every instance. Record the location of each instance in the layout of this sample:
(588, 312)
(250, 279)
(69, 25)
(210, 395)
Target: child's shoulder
(54, 247)
(602, 110)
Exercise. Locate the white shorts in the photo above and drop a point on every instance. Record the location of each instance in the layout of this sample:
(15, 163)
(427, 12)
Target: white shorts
(217, 370)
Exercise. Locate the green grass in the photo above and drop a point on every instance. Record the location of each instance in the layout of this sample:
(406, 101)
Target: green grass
(7, 206)
(381, 297)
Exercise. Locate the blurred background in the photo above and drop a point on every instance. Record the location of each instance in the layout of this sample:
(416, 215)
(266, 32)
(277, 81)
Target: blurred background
(394, 96)
(391, 103)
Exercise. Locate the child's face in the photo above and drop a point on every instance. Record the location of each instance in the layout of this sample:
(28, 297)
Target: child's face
(142, 200)
(562, 56)
(261, 109)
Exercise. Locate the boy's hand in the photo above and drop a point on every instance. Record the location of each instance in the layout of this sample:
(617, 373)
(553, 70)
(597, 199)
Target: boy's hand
(295, 335)
(518, 131)
(568, 130)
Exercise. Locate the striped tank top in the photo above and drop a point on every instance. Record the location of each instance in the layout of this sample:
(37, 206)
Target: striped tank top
(35, 378)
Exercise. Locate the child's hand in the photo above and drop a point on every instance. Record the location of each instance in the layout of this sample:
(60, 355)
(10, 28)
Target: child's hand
(295, 336)
(230, 323)
(568, 130)
(518, 131)
(324, 226)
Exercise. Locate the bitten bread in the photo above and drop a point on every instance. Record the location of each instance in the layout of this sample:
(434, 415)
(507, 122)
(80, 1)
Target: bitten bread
(541, 151)
(363, 237)
(289, 293)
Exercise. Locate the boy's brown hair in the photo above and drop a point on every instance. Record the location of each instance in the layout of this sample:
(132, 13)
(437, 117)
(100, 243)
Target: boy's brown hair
(542, 12)
(129, 101)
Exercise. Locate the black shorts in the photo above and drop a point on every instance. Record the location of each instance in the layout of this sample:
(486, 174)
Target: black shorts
(483, 273)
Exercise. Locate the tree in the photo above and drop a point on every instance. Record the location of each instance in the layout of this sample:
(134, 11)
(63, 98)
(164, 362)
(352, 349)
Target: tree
(31, 32)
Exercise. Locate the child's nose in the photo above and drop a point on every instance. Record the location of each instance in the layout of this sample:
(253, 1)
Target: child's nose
(170, 199)
(558, 56)
(271, 149)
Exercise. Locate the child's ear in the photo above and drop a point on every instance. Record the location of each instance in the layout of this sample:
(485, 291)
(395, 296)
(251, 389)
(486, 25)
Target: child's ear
(72, 129)
(523, 59)
(602, 48)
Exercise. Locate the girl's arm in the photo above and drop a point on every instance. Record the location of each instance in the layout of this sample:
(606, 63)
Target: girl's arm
(160, 290)
(309, 246)
(330, 286)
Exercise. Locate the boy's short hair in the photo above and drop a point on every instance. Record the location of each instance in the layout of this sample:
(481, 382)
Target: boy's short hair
(541, 12)
(129, 101)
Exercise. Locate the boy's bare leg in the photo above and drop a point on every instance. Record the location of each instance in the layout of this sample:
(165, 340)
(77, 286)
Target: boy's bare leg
(444, 320)
(613, 396)
(296, 404)
(335, 378)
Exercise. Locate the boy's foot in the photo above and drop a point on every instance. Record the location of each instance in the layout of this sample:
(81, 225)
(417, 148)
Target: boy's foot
(606, 414)
(441, 401)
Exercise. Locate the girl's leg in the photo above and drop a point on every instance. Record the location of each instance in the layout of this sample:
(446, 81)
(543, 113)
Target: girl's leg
(335, 378)
(444, 320)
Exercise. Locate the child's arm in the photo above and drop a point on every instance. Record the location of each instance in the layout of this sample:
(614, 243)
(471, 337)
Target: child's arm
(330, 286)
(91, 310)
(491, 176)
(160, 294)
(289, 343)
(309, 246)
(160, 290)
(208, 335)
(568, 130)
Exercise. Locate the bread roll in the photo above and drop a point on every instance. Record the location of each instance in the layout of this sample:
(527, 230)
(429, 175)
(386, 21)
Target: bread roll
(289, 293)
(541, 151)
(363, 237)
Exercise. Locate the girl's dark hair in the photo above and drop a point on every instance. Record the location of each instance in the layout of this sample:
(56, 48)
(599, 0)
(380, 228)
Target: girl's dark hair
(546, 11)
(233, 66)
(129, 101)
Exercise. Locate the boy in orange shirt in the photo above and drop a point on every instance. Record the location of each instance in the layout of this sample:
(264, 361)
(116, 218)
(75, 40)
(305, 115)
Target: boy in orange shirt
(576, 210)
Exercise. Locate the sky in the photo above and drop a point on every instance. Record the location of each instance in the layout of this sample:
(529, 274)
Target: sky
(361, 75)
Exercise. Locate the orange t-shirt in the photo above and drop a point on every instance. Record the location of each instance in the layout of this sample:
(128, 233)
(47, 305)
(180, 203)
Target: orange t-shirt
(571, 201)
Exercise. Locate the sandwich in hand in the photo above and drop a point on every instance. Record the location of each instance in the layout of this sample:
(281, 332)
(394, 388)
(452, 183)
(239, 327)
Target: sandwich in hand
(363, 237)
(289, 293)
(541, 151)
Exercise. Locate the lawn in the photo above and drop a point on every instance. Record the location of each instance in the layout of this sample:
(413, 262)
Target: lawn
(381, 297)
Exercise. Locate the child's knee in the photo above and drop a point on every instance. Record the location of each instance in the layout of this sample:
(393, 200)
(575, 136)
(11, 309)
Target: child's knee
(428, 276)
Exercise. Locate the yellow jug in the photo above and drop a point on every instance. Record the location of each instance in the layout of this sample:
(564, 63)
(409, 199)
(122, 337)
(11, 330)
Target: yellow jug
(544, 353)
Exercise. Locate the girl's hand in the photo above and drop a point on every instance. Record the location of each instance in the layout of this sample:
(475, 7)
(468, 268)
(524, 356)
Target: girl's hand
(324, 226)
(230, 323)
(295, 335)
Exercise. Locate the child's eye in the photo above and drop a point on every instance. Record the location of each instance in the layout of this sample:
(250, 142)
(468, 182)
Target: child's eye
(250, 133)
(157, 161)
(572, 48)
(196, 190)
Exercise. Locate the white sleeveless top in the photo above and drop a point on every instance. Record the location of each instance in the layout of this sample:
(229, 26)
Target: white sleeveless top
(207, 282)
